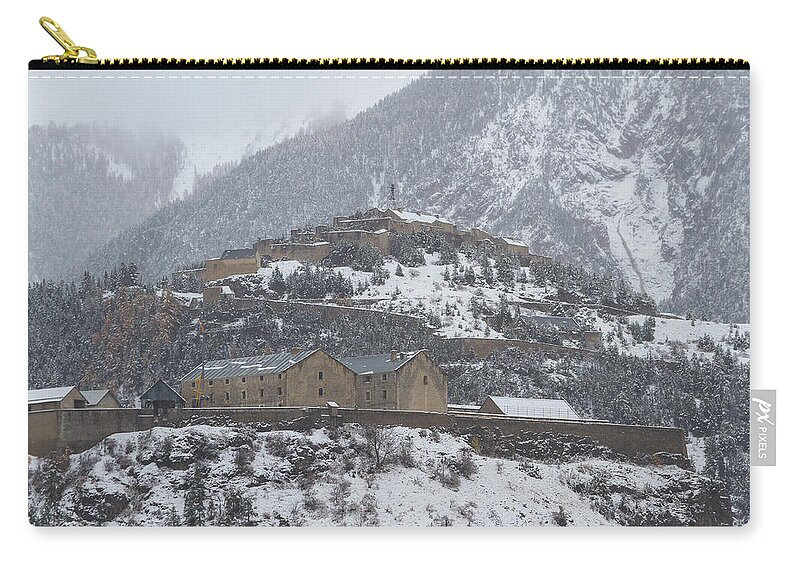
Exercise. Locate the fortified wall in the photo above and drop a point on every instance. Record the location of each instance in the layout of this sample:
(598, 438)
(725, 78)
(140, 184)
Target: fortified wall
(374, 228)
(54, 430)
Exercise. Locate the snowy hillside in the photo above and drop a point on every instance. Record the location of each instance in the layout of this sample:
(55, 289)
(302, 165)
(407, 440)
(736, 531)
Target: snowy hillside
(459, 307)
(205, 475)
(646, 176)
(86, 185)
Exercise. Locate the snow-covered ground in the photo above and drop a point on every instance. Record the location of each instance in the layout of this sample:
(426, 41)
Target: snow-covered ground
(292, 478)
(424, 291)
(675, 334)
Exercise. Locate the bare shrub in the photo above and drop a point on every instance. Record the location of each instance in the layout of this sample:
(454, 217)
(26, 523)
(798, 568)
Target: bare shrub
(468, 511)
(465, 464)
(279, 445)
(406, 453)
(446, 475)
(312, 503)
(383, 445)
(560, 517)
(243, 459)
(368, 513)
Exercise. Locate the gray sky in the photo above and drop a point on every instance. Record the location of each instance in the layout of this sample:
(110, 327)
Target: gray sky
(219, 114)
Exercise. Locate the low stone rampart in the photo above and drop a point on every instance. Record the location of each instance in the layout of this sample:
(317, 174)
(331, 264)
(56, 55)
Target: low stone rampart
(54, 430)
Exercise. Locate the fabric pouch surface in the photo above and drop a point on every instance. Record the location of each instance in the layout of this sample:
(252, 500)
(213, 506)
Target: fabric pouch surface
(388, 293)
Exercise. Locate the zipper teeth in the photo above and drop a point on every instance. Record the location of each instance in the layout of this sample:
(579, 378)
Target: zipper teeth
(454, 63)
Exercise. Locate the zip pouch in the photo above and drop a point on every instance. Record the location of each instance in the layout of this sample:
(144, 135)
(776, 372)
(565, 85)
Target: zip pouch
(388, 293)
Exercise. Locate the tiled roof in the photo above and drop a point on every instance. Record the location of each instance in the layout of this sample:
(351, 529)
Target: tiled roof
(377, 363)
(535, 408)
(248, 366)
(48, 394)
(238, 253)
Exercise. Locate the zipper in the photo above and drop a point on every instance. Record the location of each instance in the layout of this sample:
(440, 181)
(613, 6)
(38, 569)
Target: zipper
(79, 57)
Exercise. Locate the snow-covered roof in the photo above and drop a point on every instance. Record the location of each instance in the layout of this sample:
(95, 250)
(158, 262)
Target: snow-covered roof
(414, 217)
(534, 408)
(48, 394)
(248, 366)
(377, 363)
(226, 290)
(238, 253)
(463, 407)
(512, 241)
(94, 396)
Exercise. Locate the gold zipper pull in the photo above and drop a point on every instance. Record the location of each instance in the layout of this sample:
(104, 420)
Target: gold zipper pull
(72, 52)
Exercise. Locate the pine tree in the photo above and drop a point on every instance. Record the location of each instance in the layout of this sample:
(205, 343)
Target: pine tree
(276, 282)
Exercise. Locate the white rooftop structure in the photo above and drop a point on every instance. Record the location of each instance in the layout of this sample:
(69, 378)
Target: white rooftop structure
(48, 394)
(414, 217)
(532, 408)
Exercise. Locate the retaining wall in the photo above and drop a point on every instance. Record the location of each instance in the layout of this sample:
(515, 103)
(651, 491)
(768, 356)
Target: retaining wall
(53, 430)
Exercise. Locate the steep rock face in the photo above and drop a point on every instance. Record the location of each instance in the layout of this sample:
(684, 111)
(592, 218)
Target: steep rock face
(647, 176)
(85, 185)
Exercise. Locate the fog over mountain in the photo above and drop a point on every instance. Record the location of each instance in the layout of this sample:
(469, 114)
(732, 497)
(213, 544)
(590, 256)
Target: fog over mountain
(138, 140)
(648, 177)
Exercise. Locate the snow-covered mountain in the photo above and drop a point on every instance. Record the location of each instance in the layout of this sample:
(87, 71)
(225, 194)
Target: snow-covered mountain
(86, 184)
(647, 176)
(205, 475)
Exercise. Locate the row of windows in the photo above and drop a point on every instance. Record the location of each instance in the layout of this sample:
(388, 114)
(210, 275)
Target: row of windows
(368, 395)
(244, 394)
(367, 380)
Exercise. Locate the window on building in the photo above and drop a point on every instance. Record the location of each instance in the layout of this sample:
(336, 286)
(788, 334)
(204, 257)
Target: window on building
(244, 395)
(227, 380)
(227, 396)
(244, 379)
(425, 380)
(368, 379)
(383, 394)
(319, 374)
(261, 393)
(211, 397)
(193, 384)
(280, 391)
(261, 378)
(280, 375)
(210, 383)
(368, 396)
(321, 391)
(384, 377)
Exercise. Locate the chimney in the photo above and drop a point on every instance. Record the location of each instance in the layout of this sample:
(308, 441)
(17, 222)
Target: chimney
(295, 350)
(393, 355)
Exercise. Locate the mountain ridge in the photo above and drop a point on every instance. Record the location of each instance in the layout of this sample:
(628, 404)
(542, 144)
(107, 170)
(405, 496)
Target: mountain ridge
(619, 176)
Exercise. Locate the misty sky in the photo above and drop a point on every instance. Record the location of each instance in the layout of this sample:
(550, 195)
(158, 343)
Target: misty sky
(218, 114)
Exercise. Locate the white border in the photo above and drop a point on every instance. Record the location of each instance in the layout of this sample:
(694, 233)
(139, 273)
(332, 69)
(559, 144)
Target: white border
(763, 34)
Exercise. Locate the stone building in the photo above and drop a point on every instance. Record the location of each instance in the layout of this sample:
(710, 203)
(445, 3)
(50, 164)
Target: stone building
(232, 262)
(101, 399)
(294, 378)
(395, 381)
(161, 397)
(399, 381)
(538, 408)
(59, 398)
(218, 294)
